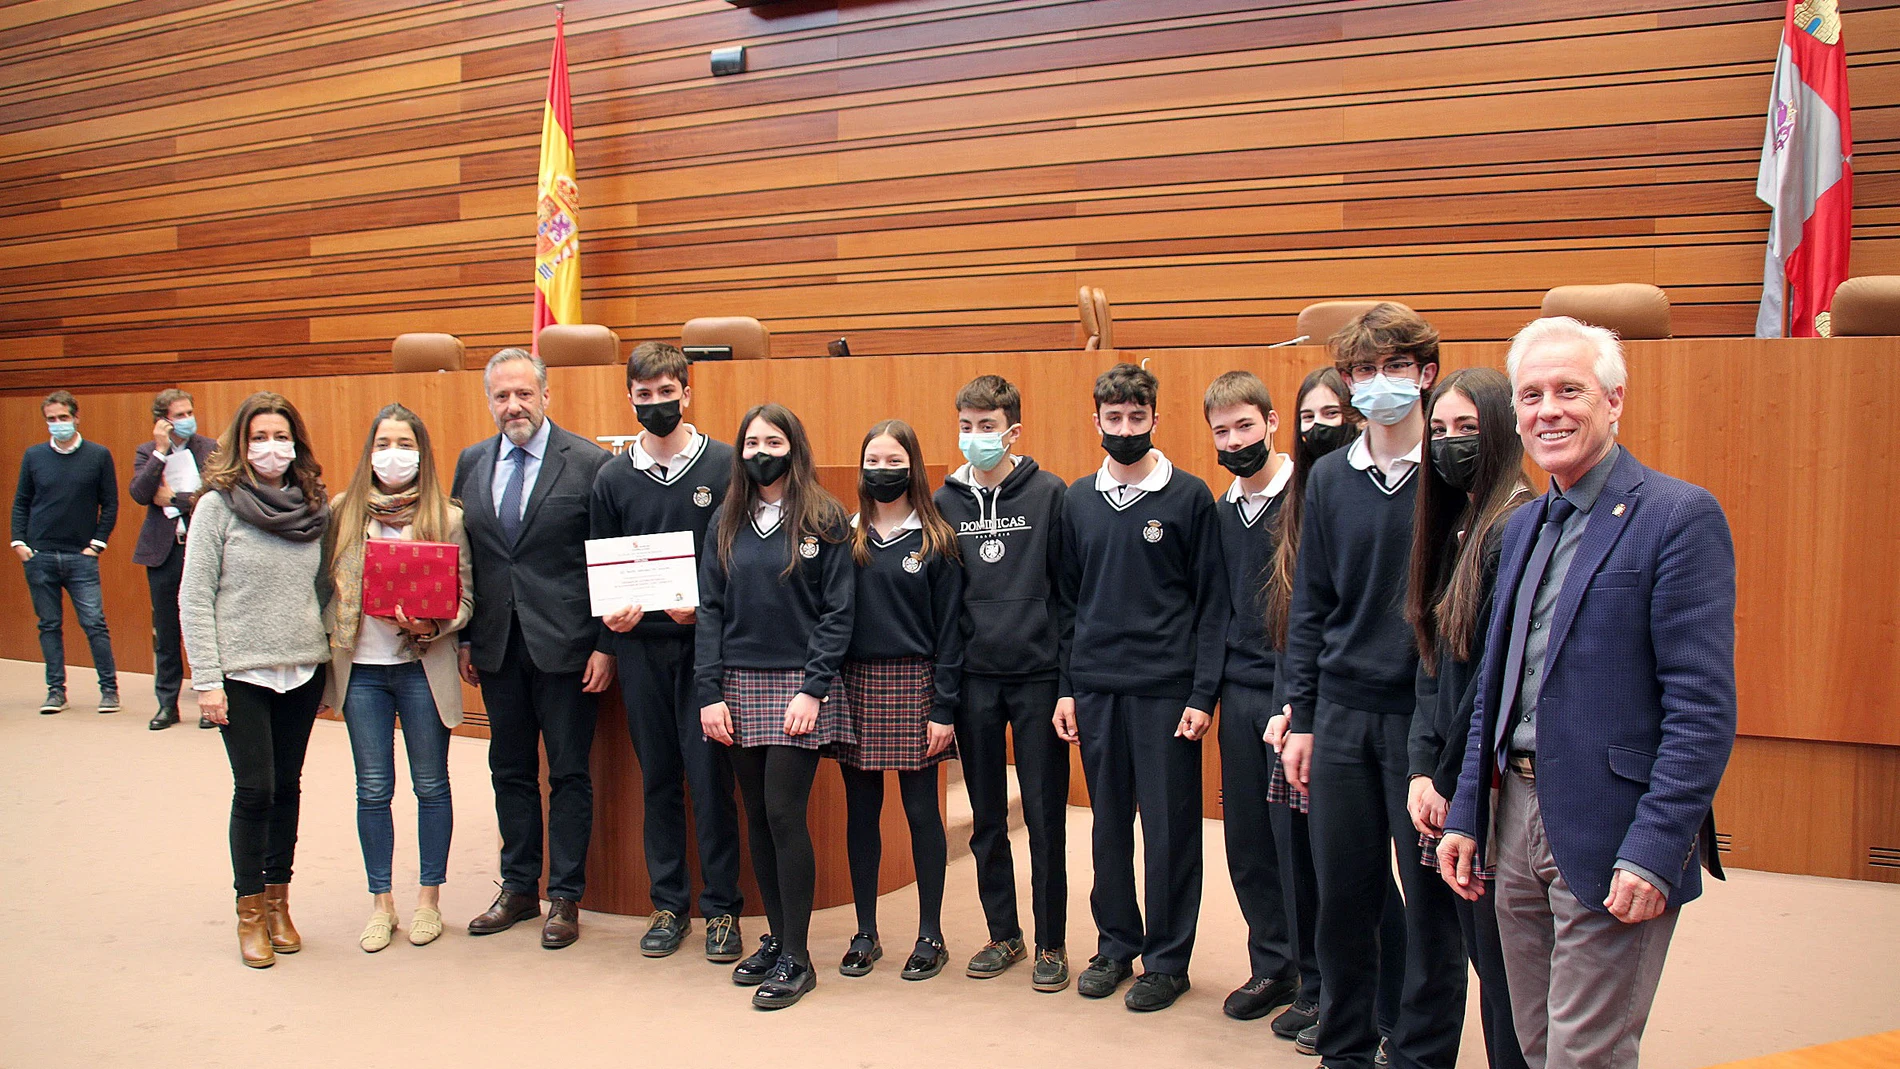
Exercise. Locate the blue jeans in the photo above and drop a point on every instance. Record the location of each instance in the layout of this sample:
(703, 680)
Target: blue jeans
(47, 573)
(379, 694)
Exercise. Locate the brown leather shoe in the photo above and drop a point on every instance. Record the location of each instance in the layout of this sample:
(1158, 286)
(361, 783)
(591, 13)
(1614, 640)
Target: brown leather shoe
(508, 908)
(253, 938)
(283, 934)
(564, 923)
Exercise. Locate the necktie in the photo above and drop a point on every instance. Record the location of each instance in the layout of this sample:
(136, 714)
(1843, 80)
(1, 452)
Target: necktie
(510, 514)
(1560, 510)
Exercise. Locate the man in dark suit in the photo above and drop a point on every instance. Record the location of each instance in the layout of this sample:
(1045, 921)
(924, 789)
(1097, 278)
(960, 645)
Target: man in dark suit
(1605, 712)
(533, 644)
(176, 446)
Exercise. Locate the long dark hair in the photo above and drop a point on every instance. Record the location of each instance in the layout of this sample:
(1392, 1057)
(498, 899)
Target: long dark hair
(1279, 593)
(1443, 598)
(808, 510)
(939, 539)
(352, 505)
(231, 462)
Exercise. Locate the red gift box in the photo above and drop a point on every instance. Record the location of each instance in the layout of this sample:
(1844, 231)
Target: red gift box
(425, 578)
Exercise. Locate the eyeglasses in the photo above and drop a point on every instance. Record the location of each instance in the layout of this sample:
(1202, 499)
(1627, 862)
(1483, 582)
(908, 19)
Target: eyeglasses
(1403, 367)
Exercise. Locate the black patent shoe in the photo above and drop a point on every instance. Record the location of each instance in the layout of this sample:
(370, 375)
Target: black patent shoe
(789, 981)
(753, 970)
(926, 960)
(863, 953)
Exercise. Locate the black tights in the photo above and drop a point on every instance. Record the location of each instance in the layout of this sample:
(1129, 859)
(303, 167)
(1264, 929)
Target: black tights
(864, 808)
(775, 782)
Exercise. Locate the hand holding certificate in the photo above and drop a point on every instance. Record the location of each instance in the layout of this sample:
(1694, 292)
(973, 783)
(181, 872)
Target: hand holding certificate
(650, 572)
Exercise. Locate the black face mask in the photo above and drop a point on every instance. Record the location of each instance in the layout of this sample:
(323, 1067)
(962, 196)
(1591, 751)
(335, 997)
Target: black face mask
(660, 417)
(1323, 438)
(767, 469)
(1126, 448)
(1456, 460)
(884, 484)
(1246, 460)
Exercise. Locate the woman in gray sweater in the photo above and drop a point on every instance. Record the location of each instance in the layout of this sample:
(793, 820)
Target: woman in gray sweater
(251, 613)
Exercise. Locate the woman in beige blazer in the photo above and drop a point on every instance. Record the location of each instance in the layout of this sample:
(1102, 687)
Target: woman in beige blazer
(385, 669)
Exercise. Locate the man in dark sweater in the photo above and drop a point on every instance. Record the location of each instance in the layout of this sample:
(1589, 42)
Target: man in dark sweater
(1141, 565)
(671, 479)
(64, 508)
(1349, 673)
(1240, 413)
(1007, 513)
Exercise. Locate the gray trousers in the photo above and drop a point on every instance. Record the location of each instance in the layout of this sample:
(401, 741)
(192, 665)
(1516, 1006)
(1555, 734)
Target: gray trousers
(1581, 981)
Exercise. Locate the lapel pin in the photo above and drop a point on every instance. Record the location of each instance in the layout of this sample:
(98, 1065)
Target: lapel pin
(1619, 509)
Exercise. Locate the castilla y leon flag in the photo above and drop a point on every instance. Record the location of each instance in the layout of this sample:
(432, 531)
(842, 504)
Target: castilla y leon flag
(1806, 174)
(557, 241)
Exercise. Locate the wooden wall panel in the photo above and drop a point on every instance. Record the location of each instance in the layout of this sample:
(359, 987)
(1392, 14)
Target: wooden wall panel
(195, 192)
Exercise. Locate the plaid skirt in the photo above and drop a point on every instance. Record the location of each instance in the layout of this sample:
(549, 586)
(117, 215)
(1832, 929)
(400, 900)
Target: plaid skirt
(890, 706)
(1428, 846)
(1280, 792)
(758, 697)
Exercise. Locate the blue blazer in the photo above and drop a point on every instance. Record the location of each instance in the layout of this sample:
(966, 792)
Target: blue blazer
(1636, 716)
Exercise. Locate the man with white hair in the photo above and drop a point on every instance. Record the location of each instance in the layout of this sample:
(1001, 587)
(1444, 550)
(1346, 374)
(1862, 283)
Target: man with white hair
(1605, 712)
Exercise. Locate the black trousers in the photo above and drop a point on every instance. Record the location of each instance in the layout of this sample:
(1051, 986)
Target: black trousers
(993, 711)
(1300, 884)
(775, 782)
(266, 739)
(677, 761)
(529, 709)
(1479, 920)
(1253, 860)
(1134, 763)
(168, 660)
(1358, 784)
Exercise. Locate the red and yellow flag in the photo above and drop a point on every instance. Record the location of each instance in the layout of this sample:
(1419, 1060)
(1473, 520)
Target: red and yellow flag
(557, 242)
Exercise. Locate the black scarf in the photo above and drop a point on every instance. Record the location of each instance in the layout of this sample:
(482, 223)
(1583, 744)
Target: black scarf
(282, 511)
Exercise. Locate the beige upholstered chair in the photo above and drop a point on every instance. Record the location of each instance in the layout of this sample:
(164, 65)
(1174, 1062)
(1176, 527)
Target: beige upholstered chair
(1097, 324)
(426, 352)
(1868, 306)
(746, 337)
(1634, 310)
(1319, 322)
(568, 344)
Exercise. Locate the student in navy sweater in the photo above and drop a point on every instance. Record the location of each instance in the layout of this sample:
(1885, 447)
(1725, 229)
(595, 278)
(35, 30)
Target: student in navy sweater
(671, 479)
(1141, 564)
(1240, 414)
(64, 508)
(1474, 483)
(1351, 666)
(776, 598)
(901, 675)
(1007, 512)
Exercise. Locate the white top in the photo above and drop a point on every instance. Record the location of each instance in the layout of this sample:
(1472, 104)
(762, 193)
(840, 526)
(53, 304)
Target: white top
(911, 523)
(378, 640)
(1122, 494)
(65, 450)
(1359, 455)
(677, 463)
(1252, 505)
(765, 516)
(282, 678)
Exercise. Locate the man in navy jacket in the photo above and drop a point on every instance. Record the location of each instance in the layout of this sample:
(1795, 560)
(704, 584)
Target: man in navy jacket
(1605, 712)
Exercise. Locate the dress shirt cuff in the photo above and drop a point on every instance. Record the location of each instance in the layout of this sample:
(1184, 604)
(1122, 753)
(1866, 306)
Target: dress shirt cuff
(1455, 833)
(98, 545)
(1655, 881)
(207, 684)
(17, 542)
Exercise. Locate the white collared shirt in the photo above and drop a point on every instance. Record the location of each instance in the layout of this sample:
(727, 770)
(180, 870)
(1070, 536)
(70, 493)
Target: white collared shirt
(66, 450)
(911, 523)
(1252, 505)
(536, 449)
(282, 678)
(766, 516)
(1359, 455)
(678, 462)
(1121, 494)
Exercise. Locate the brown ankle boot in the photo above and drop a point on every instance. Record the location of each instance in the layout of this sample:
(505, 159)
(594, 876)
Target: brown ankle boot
(253, 938)
(283, 934)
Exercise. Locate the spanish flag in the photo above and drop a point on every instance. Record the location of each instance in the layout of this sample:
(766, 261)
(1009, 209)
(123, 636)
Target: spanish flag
(557, 243)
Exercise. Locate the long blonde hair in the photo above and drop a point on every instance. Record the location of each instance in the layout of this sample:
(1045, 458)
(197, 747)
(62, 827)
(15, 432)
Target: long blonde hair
(351, 517)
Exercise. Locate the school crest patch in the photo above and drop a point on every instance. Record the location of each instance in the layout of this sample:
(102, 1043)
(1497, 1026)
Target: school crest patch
(1152, 532)
(808, 549)
(914, 562)
(702, 496)
(991, 550)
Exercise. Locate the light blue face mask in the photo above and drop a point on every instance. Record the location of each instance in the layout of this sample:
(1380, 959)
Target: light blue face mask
(62, 430)
(1385, 400)
(984, 450)
(185, 428)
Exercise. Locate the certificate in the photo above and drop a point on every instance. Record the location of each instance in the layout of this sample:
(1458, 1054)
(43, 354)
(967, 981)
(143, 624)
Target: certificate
(651, 572)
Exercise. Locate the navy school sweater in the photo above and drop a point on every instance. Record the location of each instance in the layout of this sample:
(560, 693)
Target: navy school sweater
(1248, 549)
(909, 605)
(1148, 591)
(1347, 639)
(755, 617)
(1013, 618)
(629, 501)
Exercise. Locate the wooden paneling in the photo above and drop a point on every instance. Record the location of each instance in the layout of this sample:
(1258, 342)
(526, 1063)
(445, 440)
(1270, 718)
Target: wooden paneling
(1780, 432)
(198, 192)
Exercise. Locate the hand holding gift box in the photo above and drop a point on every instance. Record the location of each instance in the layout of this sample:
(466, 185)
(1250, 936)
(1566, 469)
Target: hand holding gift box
(424, 578)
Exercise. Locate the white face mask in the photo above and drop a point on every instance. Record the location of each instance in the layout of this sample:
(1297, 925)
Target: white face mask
(396, 467)
(271, 459)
